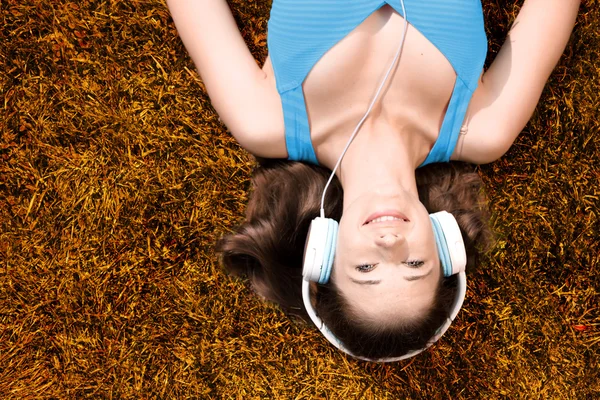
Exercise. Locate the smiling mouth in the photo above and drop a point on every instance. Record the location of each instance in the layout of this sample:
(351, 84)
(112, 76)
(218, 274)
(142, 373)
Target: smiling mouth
(386, 217)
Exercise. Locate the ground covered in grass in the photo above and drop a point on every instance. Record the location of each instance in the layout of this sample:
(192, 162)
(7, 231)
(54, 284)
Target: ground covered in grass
(116, 179)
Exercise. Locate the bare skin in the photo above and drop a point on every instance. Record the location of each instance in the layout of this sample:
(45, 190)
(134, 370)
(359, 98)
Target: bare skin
(340, 87)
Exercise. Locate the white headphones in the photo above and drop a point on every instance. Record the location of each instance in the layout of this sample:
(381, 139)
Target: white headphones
(319, 251)
(319, 254)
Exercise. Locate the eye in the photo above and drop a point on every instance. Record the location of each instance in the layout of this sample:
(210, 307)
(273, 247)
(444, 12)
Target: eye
(414, 263)
(365, 268)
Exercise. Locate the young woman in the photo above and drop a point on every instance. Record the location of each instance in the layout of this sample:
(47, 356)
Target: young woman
(327, 63)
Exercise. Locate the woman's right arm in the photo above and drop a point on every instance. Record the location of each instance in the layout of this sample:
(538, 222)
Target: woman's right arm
(245, 101)
(511, 88)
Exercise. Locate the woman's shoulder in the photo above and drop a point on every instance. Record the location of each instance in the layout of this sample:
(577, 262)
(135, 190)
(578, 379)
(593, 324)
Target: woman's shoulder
(259, 126)
(241, 93)
(511, 88)
(488, 130)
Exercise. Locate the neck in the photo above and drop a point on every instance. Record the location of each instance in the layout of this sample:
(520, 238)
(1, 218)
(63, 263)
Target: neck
(378, 160)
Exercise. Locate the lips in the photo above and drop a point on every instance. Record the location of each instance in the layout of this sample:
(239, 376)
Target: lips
(386, 216)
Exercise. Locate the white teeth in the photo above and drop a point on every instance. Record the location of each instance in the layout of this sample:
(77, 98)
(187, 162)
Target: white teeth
(385, 218)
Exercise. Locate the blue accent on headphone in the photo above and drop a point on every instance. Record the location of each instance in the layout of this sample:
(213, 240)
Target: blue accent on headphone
(329, 251)
(442, 246)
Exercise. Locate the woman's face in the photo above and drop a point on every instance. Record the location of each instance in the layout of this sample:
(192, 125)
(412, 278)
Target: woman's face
(386, 264)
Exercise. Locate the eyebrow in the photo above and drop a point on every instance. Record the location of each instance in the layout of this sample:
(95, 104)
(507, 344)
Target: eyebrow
(368, 282)
(417, 277)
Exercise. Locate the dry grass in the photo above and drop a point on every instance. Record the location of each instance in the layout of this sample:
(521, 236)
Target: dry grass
(116, 178)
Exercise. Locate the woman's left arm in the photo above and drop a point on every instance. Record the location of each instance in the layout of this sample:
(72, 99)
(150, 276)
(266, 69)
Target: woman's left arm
(511, 88)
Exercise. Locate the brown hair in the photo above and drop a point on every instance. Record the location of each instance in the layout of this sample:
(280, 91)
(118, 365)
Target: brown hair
(268, 247)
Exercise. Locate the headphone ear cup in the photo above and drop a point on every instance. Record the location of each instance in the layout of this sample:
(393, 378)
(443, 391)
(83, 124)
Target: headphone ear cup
(450, 243)
(319, 250)
(329, 250)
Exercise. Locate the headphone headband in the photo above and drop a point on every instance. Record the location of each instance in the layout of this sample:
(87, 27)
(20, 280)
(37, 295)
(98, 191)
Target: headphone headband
(456, 306)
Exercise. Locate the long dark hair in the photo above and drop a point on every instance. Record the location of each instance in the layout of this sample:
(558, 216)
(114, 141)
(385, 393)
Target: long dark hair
(268, 247)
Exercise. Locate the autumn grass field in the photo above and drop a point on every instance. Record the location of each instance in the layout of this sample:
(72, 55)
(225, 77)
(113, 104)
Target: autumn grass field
(117, 178)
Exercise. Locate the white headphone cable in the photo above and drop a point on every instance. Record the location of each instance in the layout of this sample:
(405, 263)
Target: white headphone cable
(322, 212)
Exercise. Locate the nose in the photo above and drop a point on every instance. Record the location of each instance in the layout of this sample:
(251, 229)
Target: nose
(392, 246)
(388, 240)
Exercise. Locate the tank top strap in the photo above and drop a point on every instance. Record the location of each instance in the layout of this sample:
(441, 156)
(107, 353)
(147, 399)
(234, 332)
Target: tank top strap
(453, 120)
(297, 132)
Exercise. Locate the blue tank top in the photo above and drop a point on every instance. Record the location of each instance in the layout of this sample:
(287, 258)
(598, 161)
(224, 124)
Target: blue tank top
(300, 32)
